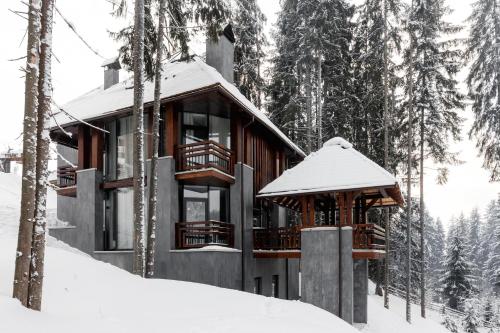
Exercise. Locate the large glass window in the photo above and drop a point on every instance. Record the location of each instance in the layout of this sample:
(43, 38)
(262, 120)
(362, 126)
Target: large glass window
(120, 148)
(205, 118)
(203, 203)
(119, 225)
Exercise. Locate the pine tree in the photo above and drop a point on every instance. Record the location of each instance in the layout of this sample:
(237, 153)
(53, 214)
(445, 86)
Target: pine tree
(483, 49)
(486, 239)
(42, 157)
(153, 184)
(450, 324)
(28, 187)
(471, 320)
(437, 98)
(457, 280)
(473, 229)
(435, 249)
(138, 157)
(492, 268)
(249, 49)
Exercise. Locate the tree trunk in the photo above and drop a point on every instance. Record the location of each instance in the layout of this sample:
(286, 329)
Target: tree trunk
(153, 183)
(422, 228)
(138, 160)
(319, 120)
(386, 161)
(23, 252)
(408, 184)
(309, 107)
(42, 158)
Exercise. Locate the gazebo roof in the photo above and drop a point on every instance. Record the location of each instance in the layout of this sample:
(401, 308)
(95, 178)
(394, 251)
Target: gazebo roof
(336, 167)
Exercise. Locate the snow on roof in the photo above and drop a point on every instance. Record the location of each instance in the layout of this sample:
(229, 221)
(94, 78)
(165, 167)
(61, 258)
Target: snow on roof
(179, 77)
(109, 61)
(336, 166)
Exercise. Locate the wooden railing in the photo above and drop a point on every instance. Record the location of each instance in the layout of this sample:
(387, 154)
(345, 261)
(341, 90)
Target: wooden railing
(368, 237)
(66, 176)
(190, 235)
(277, 239)
(205, 154)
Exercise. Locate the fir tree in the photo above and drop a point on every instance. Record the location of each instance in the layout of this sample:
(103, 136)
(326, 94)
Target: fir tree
(249, 49)
(471, 320)
(483, 49)
(473, 229)
(457, 282)
(492, 268)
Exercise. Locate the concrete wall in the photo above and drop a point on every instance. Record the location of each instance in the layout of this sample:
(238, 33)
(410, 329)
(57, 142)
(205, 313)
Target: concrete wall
(220, 55)
(84, 213)
(122, 259)
(360, 306)
(346, 275)
(320, 268)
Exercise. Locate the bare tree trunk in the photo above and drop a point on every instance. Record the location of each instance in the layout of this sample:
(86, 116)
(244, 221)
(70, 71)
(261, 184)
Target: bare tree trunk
(138, 61)
(309, 107)
(408, 184)
(42, 158)
(319, 120)
(386, 161)
(422, 227)
(23, 253)
(153, 183)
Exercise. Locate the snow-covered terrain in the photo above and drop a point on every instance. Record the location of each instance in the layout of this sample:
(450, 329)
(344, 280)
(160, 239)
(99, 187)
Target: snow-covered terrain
(85, 295)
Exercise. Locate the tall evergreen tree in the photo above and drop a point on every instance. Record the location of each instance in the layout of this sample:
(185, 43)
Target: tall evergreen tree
(435, 248)
(483, 49)
(437, 99)
(457, 282)
(492, 269)
(473, 229)
(471, 319)
(249, 49)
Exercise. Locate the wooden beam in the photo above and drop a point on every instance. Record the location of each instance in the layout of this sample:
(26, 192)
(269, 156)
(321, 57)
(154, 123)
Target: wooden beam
(311, 211)
(303, 202)
(97, 150)
(171, 135)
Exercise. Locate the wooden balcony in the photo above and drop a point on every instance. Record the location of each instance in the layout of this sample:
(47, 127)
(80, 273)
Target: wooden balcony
(277, 243)
(206, 161)
(66, 181)
(368, 241)
(191, 235)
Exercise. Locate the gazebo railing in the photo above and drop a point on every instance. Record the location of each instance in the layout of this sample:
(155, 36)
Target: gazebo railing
(368, 236)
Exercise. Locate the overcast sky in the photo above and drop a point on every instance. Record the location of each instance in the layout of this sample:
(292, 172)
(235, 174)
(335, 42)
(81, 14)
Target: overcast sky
(79, 71)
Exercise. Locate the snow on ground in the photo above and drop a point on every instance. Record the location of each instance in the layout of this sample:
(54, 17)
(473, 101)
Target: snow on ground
(381, 320)
(85, 295)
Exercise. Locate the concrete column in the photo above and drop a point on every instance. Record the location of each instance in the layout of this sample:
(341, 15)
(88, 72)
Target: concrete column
(320, 268)
(346, 275)
(167, 214)
(361, 291)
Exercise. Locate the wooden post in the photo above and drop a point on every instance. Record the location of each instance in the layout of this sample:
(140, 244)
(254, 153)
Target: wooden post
(171, 124)
(303, 202)
(341, 201)
(348, 205)
(311, 211)
(83, 147)
(97, 150)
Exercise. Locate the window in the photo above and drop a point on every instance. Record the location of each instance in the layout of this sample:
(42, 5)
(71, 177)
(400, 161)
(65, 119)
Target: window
(275, 285)
(119, 225)
(262, 215)
(257, 287)
(203, 203)
(119, 148)
(205, 118)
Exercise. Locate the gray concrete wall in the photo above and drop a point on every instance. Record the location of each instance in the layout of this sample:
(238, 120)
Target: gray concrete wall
(82, 212)
(217, 268)
(320, 268)
(293, 278)
(360, 306)
(121, 259)
(346, 275)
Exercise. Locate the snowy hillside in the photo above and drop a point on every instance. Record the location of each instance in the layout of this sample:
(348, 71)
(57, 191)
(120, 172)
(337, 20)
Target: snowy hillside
(85, 295)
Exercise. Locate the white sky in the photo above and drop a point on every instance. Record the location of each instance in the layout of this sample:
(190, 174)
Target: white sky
(79, 71)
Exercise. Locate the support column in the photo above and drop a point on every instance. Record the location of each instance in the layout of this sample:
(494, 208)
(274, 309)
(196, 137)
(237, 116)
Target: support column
(361, 291)
(346, 273)
(320, 268)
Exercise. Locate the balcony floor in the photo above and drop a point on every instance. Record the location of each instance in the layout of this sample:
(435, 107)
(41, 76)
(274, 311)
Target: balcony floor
(210, 176)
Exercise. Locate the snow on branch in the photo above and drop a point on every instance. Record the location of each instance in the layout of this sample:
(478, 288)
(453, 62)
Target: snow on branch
(78, 119)
(63, 158)
(72, 27)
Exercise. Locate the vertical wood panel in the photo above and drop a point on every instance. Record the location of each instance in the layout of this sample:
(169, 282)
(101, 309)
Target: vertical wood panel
(171, 124)
(97, 149)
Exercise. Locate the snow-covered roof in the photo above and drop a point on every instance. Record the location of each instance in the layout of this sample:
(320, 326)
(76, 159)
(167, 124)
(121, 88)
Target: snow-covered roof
(337, 166)
(179, 77)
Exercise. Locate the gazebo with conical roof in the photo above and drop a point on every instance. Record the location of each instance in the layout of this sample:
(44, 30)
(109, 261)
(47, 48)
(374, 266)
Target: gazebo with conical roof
(333, 188)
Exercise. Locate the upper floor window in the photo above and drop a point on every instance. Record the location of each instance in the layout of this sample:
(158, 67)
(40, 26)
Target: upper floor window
(205, 118)
(204, 203)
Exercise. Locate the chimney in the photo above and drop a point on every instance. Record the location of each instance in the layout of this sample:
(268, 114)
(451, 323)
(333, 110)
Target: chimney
(220, 53)
(111, 72)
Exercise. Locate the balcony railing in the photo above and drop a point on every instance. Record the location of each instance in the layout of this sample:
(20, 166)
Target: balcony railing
(66, 176)
(203, 155)
(368, 237)
(277, 239)
(190, 235)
